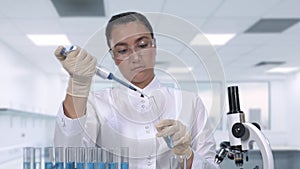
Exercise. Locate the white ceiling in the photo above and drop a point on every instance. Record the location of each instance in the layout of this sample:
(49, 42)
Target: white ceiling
(21, 17)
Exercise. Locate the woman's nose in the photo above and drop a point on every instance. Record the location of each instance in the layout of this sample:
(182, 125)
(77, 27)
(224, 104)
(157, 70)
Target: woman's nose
(135, 55)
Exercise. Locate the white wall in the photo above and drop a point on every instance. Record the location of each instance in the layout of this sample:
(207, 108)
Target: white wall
(23, 129)
(285, 112)
(25, 87)
(292, 112)
(37, 94)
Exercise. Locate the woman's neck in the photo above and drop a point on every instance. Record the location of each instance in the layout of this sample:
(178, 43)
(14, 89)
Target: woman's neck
(144, 83)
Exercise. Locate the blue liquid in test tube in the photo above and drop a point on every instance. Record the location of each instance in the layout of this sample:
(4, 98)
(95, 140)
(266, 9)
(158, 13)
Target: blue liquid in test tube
(101, 165)
(26, 165)
(124, 165)
(48, 157)
(70, 165)
(28, 157)
(79, 165)
(59, 157)
(90, 165)
(48, 165)
(113, 165)
(59, 165)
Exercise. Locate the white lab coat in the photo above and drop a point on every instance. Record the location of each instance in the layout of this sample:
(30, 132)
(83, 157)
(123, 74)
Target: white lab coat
(120, 117)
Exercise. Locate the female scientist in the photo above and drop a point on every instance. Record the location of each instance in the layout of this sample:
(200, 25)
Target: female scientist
(118, 117)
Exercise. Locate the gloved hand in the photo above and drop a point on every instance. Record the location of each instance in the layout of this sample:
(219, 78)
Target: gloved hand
(179, 134)
(81, 67)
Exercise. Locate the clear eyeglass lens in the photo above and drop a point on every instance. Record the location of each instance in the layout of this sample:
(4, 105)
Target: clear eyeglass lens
(124, 52)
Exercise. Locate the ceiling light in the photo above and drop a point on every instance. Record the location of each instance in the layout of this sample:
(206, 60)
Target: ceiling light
(283, 70)
(213, 39)
(269, 63)
(179, 69)
(272, 25)
(49, 40)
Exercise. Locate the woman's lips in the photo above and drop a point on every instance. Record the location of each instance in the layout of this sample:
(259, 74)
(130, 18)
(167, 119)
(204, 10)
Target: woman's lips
(138, 69)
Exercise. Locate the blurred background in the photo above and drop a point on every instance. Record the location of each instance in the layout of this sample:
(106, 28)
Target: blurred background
(256, 42)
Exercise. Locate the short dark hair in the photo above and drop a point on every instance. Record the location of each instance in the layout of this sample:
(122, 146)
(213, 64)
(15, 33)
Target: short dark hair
(124, 18)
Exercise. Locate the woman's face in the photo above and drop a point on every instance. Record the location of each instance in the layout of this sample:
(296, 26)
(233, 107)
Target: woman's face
(134, 52)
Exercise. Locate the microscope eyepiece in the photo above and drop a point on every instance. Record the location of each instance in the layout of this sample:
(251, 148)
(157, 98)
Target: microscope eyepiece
(233, 98)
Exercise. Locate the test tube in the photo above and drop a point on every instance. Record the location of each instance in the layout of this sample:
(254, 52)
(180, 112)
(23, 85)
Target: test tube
(37, 158)
(59, 157)
(157, 113)
(80, 158)
(101, 158)
(91, 157)
(178, 162)
(70, 158)
(28, 158)
(112, 159)
(124, 157)
(48, 157)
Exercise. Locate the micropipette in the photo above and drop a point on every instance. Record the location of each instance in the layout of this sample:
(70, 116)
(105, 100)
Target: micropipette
(105, 74)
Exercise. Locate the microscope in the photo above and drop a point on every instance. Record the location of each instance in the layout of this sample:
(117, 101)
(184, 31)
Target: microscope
(242, 135)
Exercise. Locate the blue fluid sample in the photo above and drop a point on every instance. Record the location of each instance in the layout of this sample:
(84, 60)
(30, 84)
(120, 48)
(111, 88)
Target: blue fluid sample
(90, 165)
(79, 165)
(26, 165)
(59, 165)
(101, 165)
(124, 165)
(48, 165)
(169, 141)
(70, 165)
(113, 165)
